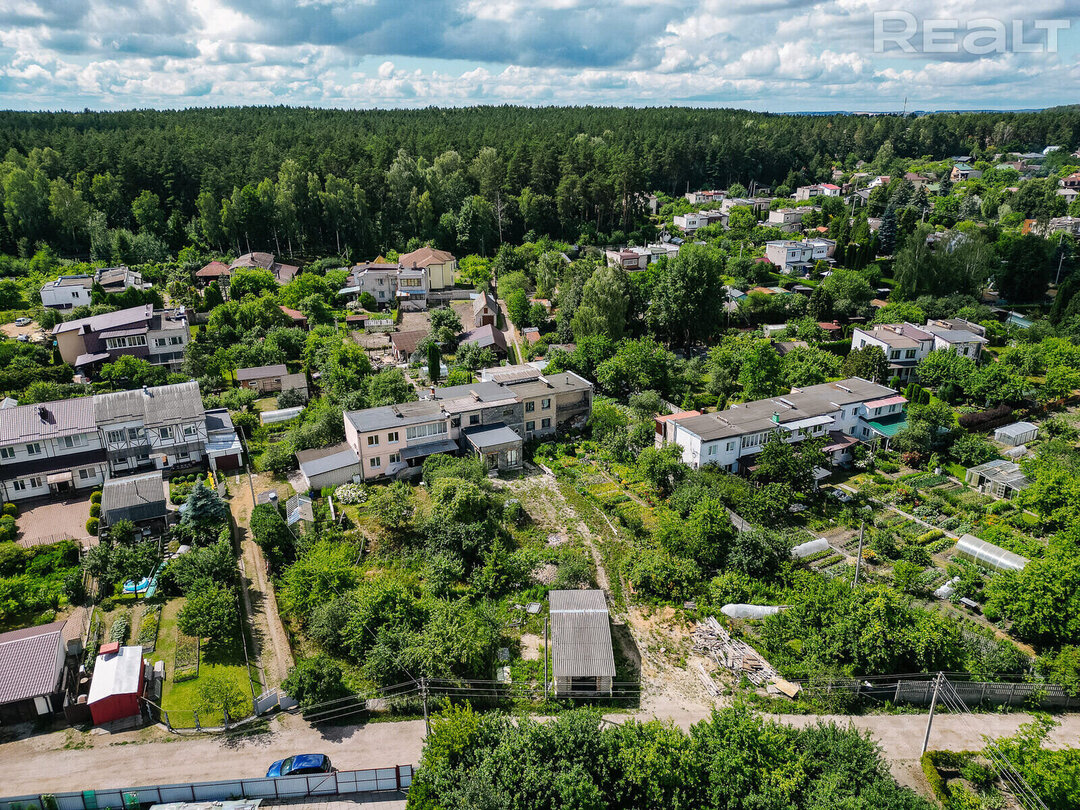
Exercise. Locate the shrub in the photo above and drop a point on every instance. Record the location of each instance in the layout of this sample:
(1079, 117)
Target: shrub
(92, 527)
(11, 510)
(95, 510)
(95, 496)
(120, 628)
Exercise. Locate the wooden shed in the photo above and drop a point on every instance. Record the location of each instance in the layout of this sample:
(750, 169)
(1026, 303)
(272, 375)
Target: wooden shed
(582, 657)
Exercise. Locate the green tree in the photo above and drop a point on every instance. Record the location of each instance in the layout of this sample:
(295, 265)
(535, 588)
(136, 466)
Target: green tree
(869, 362)
(203, 513)
(220, 694)
(760, 373)
(687, 303)
(210, 612)
(148, 214)
(315, 681)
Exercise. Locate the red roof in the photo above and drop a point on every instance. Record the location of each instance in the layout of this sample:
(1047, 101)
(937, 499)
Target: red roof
(674, 417)
(829, 186)
(294, 314)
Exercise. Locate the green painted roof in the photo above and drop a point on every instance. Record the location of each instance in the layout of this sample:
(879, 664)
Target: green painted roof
(890, 425)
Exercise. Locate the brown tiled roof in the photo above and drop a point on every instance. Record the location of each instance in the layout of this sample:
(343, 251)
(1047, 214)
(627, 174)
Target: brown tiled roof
(213, 270)
(407, 342)
(30, 662)
(426, 256)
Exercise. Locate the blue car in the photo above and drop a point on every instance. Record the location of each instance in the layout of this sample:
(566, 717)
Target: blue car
(301, 764)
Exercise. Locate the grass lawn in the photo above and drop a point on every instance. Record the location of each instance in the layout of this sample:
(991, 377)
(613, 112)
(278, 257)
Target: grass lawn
(181, 700)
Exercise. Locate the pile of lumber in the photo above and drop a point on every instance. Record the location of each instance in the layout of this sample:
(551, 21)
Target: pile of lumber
(713, 641)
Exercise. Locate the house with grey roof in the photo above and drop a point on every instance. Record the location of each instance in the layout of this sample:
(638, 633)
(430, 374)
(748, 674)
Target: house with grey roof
(485, 310)
(583, 659)
(271, 380)
(67, 292)
(391, 439)
(904, 345)
(840, 413)
(162, 427)
(328, 466)
(35, 676)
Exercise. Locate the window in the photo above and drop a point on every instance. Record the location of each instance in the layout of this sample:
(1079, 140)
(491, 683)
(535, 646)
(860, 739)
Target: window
(18, 485)
(165, 433)
(392, 437)
(530, 427)
(143, 457)
(395, 458)
(474, 419)
(33, 449)
(7, 452)
(420, 431)
(545, 404)
(183, 455)
(68, 442)
(115, 436)
(712, 450)
(189, 430)
(34, 482)
(125, 342)
(134, 433)
(372, 441)
(909, 354)
(160, 342)
(374, 463)
(894, 354)
(545, 423)
(530, 407)
(86, 473)
(176, 341)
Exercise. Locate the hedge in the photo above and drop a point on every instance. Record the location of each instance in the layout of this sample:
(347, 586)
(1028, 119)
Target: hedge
(92, 526)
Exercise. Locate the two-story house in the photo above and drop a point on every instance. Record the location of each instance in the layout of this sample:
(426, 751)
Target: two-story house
(392, 285)
(492, 418)
(56, 448)
(67, 292)
(629, 258)
(157, 336)
(788, 220)
(903, 343)
(963, 171)
(439, 264)
(50, 448)
(841, 413)
(160, 427)
(282, 273)
(799, 257)
(958, 335)
(117, 279)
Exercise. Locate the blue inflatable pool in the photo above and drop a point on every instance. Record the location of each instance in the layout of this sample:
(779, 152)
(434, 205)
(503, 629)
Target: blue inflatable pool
(131, 587)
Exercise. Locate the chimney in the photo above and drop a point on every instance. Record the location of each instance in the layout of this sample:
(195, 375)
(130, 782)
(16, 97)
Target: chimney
(776, 417)
(433, 392)
(146, 391)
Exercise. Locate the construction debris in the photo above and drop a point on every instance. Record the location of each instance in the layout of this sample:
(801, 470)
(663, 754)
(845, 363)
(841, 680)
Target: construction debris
(712, 640)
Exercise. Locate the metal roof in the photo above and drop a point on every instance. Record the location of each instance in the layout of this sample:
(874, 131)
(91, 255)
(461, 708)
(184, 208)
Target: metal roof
(46, 420)
(30, 662)
(326, 459)
(491, 436)
(1016, 429)
(429, 449)
(136, 497)
(107, 320)
(580, 635)
(116, 673)
(162, 404)
(261, 372)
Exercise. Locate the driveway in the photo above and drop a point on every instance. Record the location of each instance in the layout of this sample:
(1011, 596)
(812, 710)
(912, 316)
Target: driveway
(50, 521)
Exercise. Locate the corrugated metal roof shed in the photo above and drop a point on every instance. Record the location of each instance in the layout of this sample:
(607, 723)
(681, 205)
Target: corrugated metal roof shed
(580, 635)
(135, 498)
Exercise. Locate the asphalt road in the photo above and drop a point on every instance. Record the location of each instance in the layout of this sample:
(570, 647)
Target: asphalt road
(59, 761)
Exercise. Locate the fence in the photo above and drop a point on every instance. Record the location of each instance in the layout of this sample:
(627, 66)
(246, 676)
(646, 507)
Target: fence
(918, 690)
(398, 777)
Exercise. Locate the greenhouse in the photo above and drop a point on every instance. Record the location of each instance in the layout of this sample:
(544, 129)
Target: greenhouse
(988, 555)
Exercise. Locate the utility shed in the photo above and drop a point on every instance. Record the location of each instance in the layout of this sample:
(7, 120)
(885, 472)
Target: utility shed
(582, 658)
(31, 673)
(138, 498)
(117, 683)
(1016, 433)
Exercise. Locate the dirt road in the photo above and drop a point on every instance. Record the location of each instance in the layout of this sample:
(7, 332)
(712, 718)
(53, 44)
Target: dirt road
(67, 760)
(275, 654)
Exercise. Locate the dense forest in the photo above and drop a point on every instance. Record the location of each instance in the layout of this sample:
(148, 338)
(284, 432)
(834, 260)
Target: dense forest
(307, 181)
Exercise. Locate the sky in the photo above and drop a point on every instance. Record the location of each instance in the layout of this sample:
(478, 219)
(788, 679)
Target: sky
(772, 55)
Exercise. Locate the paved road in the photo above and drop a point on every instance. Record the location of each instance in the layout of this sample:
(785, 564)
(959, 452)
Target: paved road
(42, 763)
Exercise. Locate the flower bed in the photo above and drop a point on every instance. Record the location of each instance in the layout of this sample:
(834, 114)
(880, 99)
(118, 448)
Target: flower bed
(148, 628)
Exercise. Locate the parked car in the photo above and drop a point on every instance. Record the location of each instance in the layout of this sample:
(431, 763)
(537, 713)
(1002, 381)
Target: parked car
(22, 321)
(301, 764)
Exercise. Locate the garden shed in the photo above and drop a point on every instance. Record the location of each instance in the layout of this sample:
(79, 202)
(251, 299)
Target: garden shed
(117, 684)
(328, 466)
(1016, 433)
(1000, 478)
(582, 656)
(33, 677)
(498, 445)
(139, 498)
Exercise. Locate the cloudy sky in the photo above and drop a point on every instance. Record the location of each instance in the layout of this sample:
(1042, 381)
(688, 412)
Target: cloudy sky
(776, 55)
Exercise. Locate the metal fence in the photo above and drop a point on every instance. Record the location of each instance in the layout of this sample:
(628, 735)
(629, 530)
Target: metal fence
(918, 690)
(398, 777)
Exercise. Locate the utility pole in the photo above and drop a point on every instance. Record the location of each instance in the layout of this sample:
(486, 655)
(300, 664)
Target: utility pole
(930, 719)
(858, 556)
(423, 696)
(1061, 258)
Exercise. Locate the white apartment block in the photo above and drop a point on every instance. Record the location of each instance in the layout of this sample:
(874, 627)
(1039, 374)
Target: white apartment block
(842, 413)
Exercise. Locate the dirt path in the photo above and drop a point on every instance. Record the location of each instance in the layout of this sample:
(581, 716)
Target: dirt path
(275, 655)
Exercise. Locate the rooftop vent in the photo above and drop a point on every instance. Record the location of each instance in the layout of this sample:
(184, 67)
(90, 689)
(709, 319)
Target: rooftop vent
(843, 387)
(776, 417)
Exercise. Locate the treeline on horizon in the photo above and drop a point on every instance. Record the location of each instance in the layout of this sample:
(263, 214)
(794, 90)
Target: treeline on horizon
(305, 181)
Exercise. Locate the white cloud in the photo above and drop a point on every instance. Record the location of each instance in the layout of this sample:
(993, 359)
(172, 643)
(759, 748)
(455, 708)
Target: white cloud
(768, 54)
